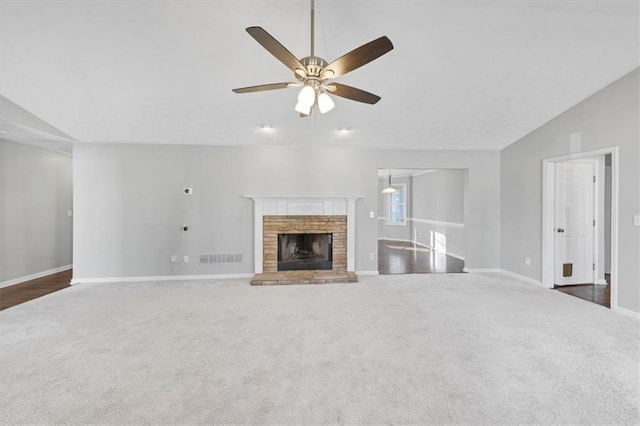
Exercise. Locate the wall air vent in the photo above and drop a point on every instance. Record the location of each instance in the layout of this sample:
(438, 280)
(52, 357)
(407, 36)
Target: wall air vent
(220, 258)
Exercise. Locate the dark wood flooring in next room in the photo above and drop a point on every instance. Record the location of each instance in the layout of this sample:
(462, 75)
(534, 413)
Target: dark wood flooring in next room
(398, 257)
(599, 294)
(29, 290)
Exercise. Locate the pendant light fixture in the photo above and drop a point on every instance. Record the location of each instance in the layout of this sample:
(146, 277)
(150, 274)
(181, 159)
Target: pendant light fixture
(389, 189)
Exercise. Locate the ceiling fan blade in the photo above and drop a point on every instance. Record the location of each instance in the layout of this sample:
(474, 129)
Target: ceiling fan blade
(357, 57)
(276, 49)
(264, 87)
(352, 93)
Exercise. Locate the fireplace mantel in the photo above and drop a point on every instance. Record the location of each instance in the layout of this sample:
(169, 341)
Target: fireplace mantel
(303, 205)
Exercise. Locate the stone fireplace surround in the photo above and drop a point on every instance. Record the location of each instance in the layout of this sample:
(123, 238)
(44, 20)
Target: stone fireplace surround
(274, 225)
(273, 214)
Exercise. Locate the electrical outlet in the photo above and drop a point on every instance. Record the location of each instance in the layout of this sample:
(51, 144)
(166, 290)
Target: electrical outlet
(174, 258)
(185, 259)
(527, 261)
(636, 220)
(372, 214)
(372, 256)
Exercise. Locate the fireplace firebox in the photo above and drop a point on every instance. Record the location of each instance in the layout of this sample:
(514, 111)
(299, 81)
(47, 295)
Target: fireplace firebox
(305, 252)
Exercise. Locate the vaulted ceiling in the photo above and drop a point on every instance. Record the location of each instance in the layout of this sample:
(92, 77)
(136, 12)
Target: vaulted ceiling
(462, 75)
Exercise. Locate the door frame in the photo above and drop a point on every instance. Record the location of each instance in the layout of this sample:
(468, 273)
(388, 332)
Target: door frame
(548, 205)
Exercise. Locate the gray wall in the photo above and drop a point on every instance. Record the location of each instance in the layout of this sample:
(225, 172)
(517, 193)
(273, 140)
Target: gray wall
(438, 196)
(608, 118)
(35, 195)
(128, 201)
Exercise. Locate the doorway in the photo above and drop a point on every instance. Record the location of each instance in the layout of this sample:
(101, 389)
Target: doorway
(421, 215)
(579, 223)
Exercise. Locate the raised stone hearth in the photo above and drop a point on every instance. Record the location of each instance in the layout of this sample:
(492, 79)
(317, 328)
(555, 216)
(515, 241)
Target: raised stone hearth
(304, 277)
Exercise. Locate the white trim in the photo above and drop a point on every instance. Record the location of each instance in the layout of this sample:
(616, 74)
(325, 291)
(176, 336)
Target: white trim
(76, 281)
(548, 181)
(365, 273)
(548, 190)
(404, 173)
(301, 205)
(457, 256)
(522, 278)
(294, 197)
(351, 233)
(627, 313)
(401, 241)
(34, 276)
(601, 282)
(436, 222)
(482, 270)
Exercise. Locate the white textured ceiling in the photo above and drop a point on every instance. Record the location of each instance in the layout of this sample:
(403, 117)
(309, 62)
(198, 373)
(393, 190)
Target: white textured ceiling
(463, 74)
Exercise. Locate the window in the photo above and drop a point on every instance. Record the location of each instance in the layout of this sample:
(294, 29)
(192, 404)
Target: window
(397, 205)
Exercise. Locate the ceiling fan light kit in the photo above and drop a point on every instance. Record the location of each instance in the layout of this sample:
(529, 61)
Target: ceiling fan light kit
(313, 72)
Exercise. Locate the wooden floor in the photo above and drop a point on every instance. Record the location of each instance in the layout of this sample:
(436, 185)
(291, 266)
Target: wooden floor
(395, 257)
(29, 290)
(599, 294)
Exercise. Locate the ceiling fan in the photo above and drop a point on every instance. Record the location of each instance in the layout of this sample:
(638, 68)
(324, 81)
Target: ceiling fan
(314, 73)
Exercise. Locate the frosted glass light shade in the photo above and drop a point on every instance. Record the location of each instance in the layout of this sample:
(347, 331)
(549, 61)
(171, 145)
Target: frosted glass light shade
(303, 108)
(325, 103)
(389, 189)
(307, 95)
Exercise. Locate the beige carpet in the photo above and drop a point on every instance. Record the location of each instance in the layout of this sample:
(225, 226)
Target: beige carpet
(417, 349)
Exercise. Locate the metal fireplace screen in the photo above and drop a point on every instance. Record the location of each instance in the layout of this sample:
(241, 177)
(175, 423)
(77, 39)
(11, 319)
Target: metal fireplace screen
(304, 252)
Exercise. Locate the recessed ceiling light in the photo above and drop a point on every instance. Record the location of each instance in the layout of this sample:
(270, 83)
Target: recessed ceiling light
(267, 128)
(343, 131)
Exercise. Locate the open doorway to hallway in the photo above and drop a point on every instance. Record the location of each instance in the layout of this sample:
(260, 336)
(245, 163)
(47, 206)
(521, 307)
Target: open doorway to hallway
(421, 216)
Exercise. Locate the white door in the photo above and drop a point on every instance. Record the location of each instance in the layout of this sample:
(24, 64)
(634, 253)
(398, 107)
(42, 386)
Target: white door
(574, 223)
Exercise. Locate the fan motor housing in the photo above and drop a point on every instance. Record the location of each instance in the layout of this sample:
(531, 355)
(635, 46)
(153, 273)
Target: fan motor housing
(314, 66)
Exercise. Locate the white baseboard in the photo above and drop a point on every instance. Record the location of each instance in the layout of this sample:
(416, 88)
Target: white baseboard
(601, 281)
(482, 270)
(521, 278)
(627, 312)
(34, 276)
(457, 256)
(363, 273)
(76, 281)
